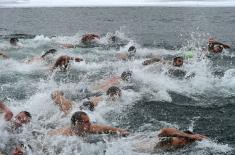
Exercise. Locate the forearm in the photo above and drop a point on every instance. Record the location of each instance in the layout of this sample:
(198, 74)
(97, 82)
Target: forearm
(105, 129)
(3, 107)
(172, 132)
(64, 104)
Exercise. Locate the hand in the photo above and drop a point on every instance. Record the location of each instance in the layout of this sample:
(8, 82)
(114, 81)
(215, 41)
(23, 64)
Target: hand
(198, 137)
(8, 115)
(226, 46)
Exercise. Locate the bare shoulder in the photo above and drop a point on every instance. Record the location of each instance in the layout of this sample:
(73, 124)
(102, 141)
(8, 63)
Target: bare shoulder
(60, 132)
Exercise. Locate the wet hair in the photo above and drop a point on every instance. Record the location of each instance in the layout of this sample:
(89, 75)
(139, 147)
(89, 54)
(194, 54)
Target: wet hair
(113, 91)
(27, 114)
(126, 75)
(188, 132)
(175, 59)
(25, 146)
(13, 40)
(77, 117)
(132, 49)
(50, 51)
(88, 105)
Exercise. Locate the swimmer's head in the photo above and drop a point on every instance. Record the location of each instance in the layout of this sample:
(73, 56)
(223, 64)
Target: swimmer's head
(80, 122)
(178, 61)
(13, 41)
(51, 51)
(114, 92)
(88, 105)
(126, 75)
(24, 117)
(132, 50)
(21, 149)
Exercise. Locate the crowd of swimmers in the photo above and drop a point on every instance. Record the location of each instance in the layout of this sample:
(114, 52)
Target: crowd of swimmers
(81, 125)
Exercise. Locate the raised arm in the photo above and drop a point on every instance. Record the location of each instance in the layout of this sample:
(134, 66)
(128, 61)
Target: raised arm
(100, 129)
(59, 99)
(7, 112)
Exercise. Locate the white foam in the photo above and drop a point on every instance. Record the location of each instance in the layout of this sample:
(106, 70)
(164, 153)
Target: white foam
(81, 3)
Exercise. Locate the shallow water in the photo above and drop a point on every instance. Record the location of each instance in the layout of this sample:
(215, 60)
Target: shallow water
(154, 100)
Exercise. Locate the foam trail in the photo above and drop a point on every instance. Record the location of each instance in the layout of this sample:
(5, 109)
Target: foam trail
(75, 3)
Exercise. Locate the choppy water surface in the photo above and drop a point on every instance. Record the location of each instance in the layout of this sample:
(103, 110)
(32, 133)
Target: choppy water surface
(151, 101)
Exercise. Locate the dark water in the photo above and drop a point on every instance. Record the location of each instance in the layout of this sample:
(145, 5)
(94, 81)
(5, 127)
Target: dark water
(211, 110)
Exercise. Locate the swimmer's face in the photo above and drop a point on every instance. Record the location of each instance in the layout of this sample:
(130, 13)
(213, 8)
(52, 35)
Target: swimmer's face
(85, 124)
(21, 119)
(178, 62)
(114, 96)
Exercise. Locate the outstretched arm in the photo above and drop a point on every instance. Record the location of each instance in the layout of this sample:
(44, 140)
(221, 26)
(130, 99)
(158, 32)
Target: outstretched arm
(172, 132)
(8, 114)
(212, 41)
(68, 45)
(59, 99)
(113, 81)
(151, 61)
(100, 129)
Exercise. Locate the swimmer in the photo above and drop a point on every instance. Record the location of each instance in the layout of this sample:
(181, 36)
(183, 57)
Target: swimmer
(81, 126)
(66, 105)
(86, 39)
(14, 41)
(43, 57)
(177, 61)
(115, 81)
(215, 46)
(4, 56)
(127, 55)
(63, 61)
(169, 139)
(19, 120)
(173, 138)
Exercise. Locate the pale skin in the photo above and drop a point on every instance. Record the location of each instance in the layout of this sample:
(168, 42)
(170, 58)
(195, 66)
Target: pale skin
(66, 105)
(178, 62)
(122, 56)
(7, 112)
(172, 132)
(179, 140)
(84, 128)
(113, 81)
(20, 118)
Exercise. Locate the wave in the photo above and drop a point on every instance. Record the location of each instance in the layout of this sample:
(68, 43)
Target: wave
(97, 3)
